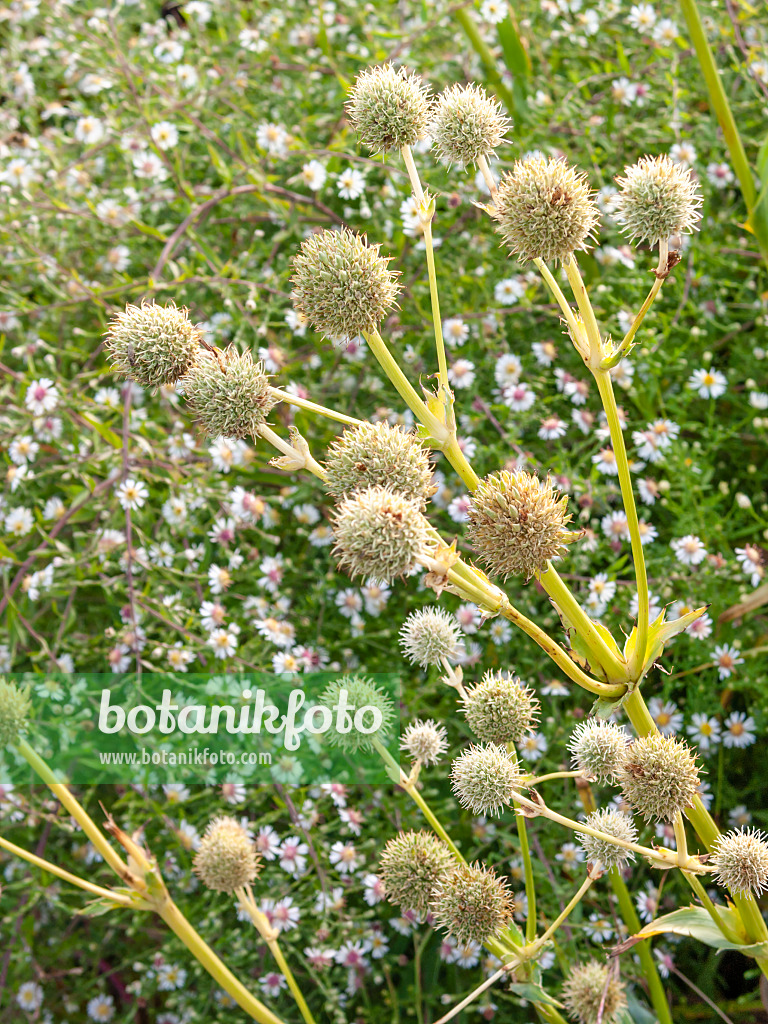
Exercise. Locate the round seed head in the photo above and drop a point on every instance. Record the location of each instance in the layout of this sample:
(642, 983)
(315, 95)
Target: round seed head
(228, 394)
(388, 108)
(658, 199)
(153, 345)
(14, 712)
(375, 453)
(659, 776)
(501, 709)
(429, 635)
(379, 534)
(485, 778)
(227, 859)
(544, 209)
(598, 749)
(614, 823)
(411, 865)
(424, 741)
(342, 286)
(467, 124)
(471, 903)
(589, 986)
(741, 861)
(517, 523)
(361, 693)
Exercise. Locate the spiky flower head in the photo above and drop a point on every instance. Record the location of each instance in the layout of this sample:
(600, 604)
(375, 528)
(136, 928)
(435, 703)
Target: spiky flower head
(659, 776)
(485, 778)
(14, 711)
(598, 748)
(544, 209)
(379, 534)
(341, 285)
(590, 986)
(500, 708)
(227, 859)
(613, 823)
(517, 523)
(363, 698)
(376, 453)
(228, 394)
(740, 859)
(388, 107)
(411, 865)
(658, 199)
(429, 635)
(153, 345)
(424, 741)
(467, 124)
(471, 903)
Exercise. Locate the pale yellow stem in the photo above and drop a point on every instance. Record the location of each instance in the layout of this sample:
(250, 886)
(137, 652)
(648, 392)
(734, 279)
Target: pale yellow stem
(304, 403)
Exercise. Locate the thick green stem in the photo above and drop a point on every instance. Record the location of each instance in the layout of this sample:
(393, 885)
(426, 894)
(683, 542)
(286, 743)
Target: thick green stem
(525, 853)
(458, 460)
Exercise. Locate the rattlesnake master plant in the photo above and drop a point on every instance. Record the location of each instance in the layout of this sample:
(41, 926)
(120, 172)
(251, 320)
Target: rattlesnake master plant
(227, 859)
(15, 706)
(153, 345)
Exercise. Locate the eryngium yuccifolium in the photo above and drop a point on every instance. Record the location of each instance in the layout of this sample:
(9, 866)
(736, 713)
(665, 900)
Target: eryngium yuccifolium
(375, 453)
(424, 741)
(370, 712)
(500, 709)
(411, 865)
(740, 859)
(471, 903)
(485, 778)
(388, 108)
(153, 345)
(466, 124)
(379, 533)
(598, 749)
(227, 859)
(517, 523)
(228, 394)
(659, 776)
(544, 209)
(589, 986)
(614, 823)
(429, 635)
(14, 711)
(658, 198)
(341, 285)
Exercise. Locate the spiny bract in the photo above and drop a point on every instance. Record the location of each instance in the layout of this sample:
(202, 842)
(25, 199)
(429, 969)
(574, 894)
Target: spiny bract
(153, 345)
(411, 865)
(388, 107)
(14, 711)
(589, 986)
(500, 709)
(424, 741)
(227, 859)
(466, 124)
(471, 903)
(658, 199)
(363, 695)
(740, 859)
(376, 453)
(228, 394)
(598, 748)
(613, 823)
(659, 776)
(429, 635)
(485, 778)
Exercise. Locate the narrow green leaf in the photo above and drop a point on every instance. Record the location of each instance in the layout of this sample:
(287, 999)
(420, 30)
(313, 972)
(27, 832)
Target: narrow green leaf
(103, 431)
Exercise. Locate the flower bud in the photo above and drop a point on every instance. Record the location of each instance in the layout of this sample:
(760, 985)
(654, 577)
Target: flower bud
(659, 776)
(411, 865)
(658, 199)
(424, 741)
(14, 712)
(485, 778)
(501, 709)
(740, 859)
(613, 823)
(598, 749)
(466, 125)
(360, 693)
(388, 108)
(153, 345)
(544, 209)
(227, 859)
(228, 394)
(590, 986)
(517, 523)
(429, 635)
(471, 903)
(375, 453)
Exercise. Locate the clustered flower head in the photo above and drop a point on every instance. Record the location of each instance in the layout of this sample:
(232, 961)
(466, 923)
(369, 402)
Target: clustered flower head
(500, 709)
(376, 453)
(544, 209)
(361, 692)
(379, 534)
(740, 859)
(598, 749)
(389, 108)
(342, 286)
(485, 778)
(613, 823)
(466, 125)
(228, 394)
(471, 903)
(424, 741)
(411, 865)
(14, 711)
(517, 523)
(429, 635)
(227, 859)
(590, 986)
(658, 199)
(659, 776)
(153, 345)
